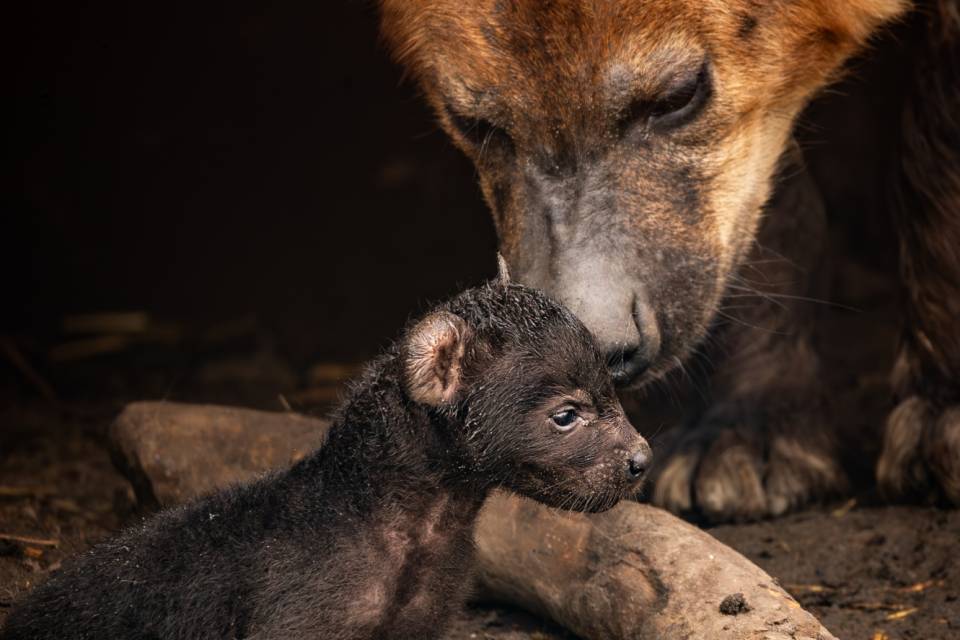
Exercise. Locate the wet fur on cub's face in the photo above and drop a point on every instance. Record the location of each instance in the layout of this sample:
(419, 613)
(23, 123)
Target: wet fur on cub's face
(534, 408)
(627, 148)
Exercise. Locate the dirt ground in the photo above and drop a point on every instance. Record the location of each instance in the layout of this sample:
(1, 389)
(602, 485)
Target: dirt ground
(868, 571)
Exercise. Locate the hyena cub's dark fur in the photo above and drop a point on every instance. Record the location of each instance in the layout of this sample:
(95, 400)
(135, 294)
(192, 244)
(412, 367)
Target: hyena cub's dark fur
(370, 536)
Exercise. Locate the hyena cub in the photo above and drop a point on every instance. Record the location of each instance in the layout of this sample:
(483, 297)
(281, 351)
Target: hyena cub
(370, 536)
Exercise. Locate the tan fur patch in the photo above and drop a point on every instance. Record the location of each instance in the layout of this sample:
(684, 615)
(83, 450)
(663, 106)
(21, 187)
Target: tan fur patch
(434, 351)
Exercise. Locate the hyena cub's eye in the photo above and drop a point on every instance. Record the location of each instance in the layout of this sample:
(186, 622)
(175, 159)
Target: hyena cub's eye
(566, 420)
(676, 107)
(479, 132)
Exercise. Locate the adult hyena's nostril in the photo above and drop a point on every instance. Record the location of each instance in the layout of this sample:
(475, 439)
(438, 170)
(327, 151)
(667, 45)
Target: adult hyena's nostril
(628, 362)
(614, 306)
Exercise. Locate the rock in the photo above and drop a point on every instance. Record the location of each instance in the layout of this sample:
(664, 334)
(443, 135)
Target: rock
(173, 452)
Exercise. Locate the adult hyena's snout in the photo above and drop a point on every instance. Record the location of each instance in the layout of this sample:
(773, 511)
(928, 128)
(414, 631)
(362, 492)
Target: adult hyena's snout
(617, 311)
(567, 244)
(620, 236)
(648, 301)
(612, 303)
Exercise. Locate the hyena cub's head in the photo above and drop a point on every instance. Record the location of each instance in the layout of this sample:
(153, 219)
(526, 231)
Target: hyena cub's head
(522, 399)
(626, 147)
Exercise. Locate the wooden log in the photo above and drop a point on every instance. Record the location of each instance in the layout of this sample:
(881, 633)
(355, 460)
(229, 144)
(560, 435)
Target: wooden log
(635, 572)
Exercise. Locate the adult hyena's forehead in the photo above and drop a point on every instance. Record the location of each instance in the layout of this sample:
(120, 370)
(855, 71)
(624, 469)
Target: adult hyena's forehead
(526, 52)
(517, 52)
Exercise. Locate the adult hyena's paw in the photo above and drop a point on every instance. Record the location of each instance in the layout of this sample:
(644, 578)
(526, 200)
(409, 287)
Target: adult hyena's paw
(921, 452)
(722, 473)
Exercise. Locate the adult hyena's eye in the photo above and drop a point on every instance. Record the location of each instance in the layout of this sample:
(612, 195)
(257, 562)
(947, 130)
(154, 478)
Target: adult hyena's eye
(677, 106)
(479, 132)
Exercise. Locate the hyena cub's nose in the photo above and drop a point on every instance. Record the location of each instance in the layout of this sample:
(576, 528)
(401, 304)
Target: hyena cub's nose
(639, 462)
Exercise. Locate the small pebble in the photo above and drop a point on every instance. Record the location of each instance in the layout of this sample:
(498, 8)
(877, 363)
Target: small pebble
(734, 604)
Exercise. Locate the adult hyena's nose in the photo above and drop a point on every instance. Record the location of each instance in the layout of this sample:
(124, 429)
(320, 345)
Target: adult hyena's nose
(629, 360)
(627, 363)
(622, 320)
(611, 303)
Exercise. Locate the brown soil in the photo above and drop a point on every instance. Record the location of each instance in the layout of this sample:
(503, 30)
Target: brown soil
(872, 572)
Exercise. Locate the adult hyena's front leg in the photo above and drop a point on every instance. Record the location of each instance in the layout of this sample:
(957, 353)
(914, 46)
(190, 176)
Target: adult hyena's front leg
(763, 446)
(921, 451)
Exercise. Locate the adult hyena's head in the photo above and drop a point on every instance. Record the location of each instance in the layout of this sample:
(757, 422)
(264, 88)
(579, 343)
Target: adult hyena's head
(627, 147)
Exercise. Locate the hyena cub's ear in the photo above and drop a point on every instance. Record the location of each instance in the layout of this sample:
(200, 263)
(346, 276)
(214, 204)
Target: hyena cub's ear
(433, 357)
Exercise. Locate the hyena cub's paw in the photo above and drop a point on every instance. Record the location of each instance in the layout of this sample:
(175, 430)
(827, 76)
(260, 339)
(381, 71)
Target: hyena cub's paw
(921, 452)
(739, 471)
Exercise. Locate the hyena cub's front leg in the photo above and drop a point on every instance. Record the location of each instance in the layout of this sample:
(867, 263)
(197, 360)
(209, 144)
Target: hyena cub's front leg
(763, 445)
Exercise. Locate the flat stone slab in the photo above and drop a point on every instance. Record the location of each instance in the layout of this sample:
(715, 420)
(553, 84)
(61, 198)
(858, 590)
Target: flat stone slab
(173, 452)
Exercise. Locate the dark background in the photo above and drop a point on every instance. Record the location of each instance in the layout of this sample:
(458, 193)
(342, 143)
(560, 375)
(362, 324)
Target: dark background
(210, 161)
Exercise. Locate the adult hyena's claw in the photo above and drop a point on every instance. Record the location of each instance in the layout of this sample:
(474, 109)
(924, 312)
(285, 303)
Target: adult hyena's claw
(737, 472)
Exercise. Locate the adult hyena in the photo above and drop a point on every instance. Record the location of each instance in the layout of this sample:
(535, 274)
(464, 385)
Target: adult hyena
(629, 151)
